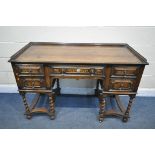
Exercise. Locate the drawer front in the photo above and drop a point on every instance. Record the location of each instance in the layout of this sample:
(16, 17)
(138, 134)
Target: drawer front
(121, 85)
(29, 69)
(56, 70)
(124, 70)
(78, 70)
(32, 83)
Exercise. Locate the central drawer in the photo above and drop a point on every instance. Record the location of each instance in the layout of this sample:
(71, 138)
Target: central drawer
(98, 71)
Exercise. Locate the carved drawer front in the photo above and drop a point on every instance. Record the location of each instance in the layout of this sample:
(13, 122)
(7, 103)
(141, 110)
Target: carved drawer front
(78, 70)
(56, 70)
(29, 68)
(121, 85)
(32, 83)
(125, 70)
(99, 71)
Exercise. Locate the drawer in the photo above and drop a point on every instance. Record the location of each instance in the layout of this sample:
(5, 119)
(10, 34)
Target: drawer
(121, 85)
(32, 83)
(78, 70)
(29, 69)
(56, 70)
(124, 70)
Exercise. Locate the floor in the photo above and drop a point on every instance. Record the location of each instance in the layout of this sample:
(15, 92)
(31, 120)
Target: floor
(74, 112)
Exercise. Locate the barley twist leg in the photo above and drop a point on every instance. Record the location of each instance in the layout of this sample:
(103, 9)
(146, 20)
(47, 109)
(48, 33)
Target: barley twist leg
(126, 115)
(52, 105)
(27, 109)
(102, 104)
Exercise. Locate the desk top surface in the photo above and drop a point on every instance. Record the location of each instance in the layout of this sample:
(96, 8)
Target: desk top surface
(80, 53)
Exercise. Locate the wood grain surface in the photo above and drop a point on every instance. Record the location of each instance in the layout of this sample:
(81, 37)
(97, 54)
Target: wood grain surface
(78, 54)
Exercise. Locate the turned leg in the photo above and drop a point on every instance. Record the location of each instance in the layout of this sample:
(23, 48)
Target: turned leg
(97, 87)
(58, 87)
(52, 106)
(27, 109)
(126, 115)
(102, 106)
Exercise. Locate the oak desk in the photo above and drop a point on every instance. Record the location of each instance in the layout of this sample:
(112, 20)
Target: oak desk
(117, 68)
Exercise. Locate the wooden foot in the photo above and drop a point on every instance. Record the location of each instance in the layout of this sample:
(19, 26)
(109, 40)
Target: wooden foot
(101, 119)
(52, 117)
(125, 119)
(28, 116)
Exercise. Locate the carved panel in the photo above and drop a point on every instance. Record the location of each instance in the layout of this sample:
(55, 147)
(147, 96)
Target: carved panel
(124, 70)
(121, 85)
(56, 70)
(29, 68)
(32, 83)
(99, 71)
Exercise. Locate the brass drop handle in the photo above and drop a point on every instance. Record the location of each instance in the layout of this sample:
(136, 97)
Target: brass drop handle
(78, 70)
(122, 85)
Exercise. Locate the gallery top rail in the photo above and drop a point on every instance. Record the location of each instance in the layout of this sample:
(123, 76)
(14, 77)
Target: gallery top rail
(78, 53)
